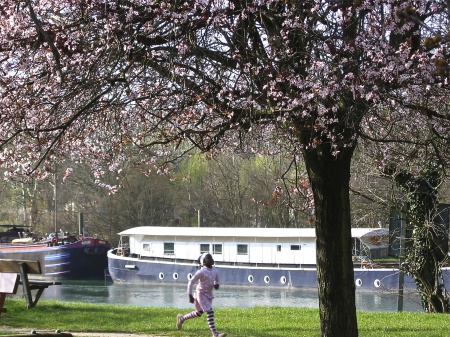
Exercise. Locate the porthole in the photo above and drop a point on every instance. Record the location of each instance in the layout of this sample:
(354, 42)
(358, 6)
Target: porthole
(266, 279)
(175, 276)
(358, 282)
(283, 280)
(189, 276)
(377, 283)
(250, 278)
(161, 276)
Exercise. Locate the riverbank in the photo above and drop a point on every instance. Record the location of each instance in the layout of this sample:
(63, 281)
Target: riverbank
(100, 320)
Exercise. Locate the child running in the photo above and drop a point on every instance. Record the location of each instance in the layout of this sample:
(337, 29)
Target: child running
(208, 278)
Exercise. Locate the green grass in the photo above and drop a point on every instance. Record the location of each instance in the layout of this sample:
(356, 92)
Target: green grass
(249, 322)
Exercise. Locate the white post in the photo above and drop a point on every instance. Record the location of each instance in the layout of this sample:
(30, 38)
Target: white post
(401, 275)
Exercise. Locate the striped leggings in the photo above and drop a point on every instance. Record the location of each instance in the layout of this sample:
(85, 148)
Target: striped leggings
(209, 318)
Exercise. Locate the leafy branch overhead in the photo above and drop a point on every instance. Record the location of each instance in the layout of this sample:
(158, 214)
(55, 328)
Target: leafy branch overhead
(81, 74)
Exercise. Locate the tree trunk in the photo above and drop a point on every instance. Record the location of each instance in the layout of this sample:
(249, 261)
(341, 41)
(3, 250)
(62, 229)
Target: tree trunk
(424, 263)
(427, 279)
(330, 178)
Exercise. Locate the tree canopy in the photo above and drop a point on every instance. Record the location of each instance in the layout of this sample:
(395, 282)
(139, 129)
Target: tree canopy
(104, 80)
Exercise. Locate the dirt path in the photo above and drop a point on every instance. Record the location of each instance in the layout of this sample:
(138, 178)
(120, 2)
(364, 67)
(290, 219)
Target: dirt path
(76, 333)
(108, 334)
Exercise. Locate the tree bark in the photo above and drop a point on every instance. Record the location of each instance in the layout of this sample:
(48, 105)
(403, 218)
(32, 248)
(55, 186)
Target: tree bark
(330, 178)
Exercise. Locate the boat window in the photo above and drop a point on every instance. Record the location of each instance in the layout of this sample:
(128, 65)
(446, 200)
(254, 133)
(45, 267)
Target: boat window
(242, 249)
(278, 248)
(169, 248)
(217, 248)
(146, 247)
(295, 247)
(204, 248)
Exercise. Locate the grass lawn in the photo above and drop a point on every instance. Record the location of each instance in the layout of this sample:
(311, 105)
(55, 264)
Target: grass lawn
(249, 322)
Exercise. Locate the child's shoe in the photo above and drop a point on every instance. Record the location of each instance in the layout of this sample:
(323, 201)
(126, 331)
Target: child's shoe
(220, 334)
(179, 322)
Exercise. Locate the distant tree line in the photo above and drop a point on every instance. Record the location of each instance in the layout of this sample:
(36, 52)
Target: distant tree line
(224, 191)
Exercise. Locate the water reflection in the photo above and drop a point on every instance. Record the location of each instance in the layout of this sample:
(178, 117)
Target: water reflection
(226, 297)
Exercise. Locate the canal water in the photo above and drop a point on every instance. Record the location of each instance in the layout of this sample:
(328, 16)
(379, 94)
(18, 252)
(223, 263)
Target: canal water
(226, 297)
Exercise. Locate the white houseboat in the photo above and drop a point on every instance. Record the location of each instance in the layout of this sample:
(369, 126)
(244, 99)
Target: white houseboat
(276, 257)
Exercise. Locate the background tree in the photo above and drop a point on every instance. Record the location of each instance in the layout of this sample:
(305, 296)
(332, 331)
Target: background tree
(90, 78)
(371, 192)
(425, 255)
(244, 190)
(416, 172)
(195, 183)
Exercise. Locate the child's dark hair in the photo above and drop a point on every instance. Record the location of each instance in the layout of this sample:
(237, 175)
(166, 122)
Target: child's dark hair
(202, 257)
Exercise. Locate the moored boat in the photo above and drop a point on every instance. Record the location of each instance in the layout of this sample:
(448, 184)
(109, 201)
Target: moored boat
(12, 232)
(62, 257)
(277, 257)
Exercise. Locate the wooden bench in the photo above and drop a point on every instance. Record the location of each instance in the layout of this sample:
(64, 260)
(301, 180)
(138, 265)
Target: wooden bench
(23, 268)
(8, 285)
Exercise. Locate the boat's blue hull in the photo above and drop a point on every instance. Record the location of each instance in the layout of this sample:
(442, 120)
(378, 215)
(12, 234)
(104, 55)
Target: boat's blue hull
(73, 261)
(130, 270)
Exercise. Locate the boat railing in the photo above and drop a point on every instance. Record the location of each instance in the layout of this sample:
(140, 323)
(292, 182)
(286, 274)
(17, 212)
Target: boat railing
(224, 263)
(165, 259)
(261, 264)
(362, 262)
(122, 250)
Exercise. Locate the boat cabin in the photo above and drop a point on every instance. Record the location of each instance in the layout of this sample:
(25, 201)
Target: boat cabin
(296, 246)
